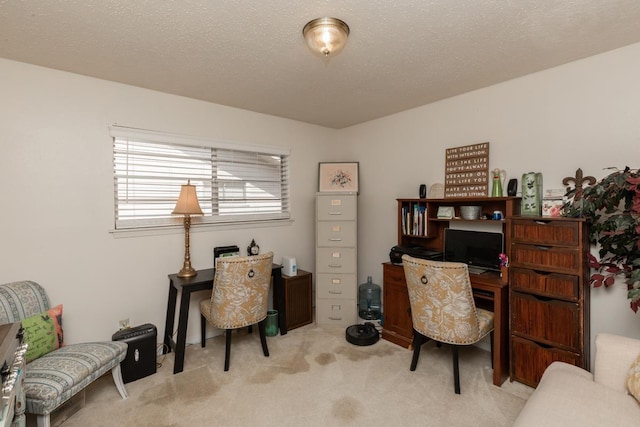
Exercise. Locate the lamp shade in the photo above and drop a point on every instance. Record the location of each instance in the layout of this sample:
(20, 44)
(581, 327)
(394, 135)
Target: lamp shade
(187, 201)
(326, 36)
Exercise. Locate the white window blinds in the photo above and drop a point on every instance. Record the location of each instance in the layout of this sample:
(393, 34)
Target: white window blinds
(234, 183)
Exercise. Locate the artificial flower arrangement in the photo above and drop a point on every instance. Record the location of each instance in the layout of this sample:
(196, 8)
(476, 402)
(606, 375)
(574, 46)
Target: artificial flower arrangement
(504, 260)
(504, 264)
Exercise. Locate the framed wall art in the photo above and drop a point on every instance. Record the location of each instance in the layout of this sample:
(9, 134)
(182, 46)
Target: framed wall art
(341, 177)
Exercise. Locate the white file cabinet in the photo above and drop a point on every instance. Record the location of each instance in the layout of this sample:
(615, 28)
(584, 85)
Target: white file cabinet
(336, 258)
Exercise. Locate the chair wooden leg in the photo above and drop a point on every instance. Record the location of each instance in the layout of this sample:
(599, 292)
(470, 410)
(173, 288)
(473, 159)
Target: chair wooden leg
(418, 340)
(227, 349)
(203, 330)
(263, 337)
(456, 371)
(491, 344)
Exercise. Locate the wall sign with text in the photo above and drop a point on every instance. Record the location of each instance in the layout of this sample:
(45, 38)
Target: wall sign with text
(467, 171)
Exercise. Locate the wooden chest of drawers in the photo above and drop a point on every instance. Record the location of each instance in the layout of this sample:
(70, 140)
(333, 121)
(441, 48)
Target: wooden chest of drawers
(549, 295)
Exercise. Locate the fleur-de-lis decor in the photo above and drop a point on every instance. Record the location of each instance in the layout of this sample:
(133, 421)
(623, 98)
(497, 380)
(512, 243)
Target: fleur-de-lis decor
(578, 180)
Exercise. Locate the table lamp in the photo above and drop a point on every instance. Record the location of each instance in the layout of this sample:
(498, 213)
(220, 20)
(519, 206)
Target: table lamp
(187, 205)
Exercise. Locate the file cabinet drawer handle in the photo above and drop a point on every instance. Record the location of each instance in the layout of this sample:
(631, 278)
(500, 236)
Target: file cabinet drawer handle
(335, 292)
(335, 265)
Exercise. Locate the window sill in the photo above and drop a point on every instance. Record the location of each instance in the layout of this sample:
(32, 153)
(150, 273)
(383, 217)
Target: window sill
(196, 228)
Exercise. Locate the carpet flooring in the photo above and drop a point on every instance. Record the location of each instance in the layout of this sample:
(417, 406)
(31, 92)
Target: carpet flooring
(313, 377)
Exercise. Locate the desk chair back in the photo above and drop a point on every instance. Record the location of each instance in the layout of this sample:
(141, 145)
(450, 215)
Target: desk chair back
(239, 297)
(443, 308)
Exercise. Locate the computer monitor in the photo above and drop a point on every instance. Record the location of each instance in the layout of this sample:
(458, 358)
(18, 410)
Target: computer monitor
(480, 250)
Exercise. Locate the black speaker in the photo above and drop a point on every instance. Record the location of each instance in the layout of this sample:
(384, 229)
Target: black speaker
(423, 191)
(140, 360)
(512, 187)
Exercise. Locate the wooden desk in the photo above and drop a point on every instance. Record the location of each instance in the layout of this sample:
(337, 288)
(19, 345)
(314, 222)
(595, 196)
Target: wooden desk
(489, 293)
(203, 281)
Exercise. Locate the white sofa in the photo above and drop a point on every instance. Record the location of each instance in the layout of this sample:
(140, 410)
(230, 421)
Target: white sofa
(570, 396)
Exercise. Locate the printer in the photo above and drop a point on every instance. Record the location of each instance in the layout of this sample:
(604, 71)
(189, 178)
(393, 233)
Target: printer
(395, 255)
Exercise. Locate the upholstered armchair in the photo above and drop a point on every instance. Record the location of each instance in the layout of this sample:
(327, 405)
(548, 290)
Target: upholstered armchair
(239, 298)
(443, 309)
(55, 372)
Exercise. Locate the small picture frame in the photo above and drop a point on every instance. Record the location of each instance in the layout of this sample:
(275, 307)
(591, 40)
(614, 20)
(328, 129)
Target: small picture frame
(224, 252)
(445, 212)
(552, 207)
(338, 177)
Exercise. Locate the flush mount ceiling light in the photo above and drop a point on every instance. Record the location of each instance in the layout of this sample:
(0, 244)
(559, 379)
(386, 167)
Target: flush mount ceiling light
(326, 36)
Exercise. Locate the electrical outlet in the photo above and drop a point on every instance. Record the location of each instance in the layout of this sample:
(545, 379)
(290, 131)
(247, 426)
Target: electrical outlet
(124, 323)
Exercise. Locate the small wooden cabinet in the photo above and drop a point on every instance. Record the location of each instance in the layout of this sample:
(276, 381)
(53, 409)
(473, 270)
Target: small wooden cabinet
(549, 295)
(297, 295)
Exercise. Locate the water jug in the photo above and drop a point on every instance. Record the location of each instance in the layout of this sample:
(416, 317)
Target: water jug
(369, 300)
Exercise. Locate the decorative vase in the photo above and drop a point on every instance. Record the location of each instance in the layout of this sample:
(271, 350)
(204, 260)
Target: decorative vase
(504, 274)
(496, 190)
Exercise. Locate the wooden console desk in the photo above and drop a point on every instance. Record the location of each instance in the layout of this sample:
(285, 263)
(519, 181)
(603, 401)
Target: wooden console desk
(489, 293)
(203, 281)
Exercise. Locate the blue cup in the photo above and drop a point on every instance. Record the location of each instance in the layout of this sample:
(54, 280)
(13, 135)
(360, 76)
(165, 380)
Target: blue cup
(497, 215)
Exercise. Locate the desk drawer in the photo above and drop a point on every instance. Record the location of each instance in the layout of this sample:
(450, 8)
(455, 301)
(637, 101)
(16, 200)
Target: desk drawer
(339, 286)
(394, 274)
(334, 207)
(335, 312)
(555, 285)
(336, 233)
(549, 321)
(336, 260)
(543, 232)
(547, 258)
(529, 360)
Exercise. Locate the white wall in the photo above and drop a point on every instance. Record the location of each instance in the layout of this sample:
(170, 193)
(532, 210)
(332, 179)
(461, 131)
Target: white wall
(57, 194)
(56, 170)
(585, 114)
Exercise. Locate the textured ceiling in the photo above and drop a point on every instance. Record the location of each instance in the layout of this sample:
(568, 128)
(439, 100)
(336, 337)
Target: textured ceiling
(250, 54)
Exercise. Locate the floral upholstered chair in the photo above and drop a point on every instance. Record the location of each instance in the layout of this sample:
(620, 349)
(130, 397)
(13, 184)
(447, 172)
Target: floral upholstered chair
(239, 298)
(55, 372)
(443, 309)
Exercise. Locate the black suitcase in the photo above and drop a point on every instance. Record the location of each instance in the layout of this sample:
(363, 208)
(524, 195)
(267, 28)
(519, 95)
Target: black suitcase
(141, 354)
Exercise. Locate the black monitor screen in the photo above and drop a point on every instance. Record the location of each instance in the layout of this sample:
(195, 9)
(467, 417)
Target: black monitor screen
(478, 249)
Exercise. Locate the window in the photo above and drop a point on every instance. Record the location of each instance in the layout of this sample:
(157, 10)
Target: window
(234, 183)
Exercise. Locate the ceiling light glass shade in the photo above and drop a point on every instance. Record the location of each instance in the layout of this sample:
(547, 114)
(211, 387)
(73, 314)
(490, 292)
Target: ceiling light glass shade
(326, 36)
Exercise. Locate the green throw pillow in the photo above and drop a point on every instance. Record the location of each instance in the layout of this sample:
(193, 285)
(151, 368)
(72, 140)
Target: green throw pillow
(43, 333)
